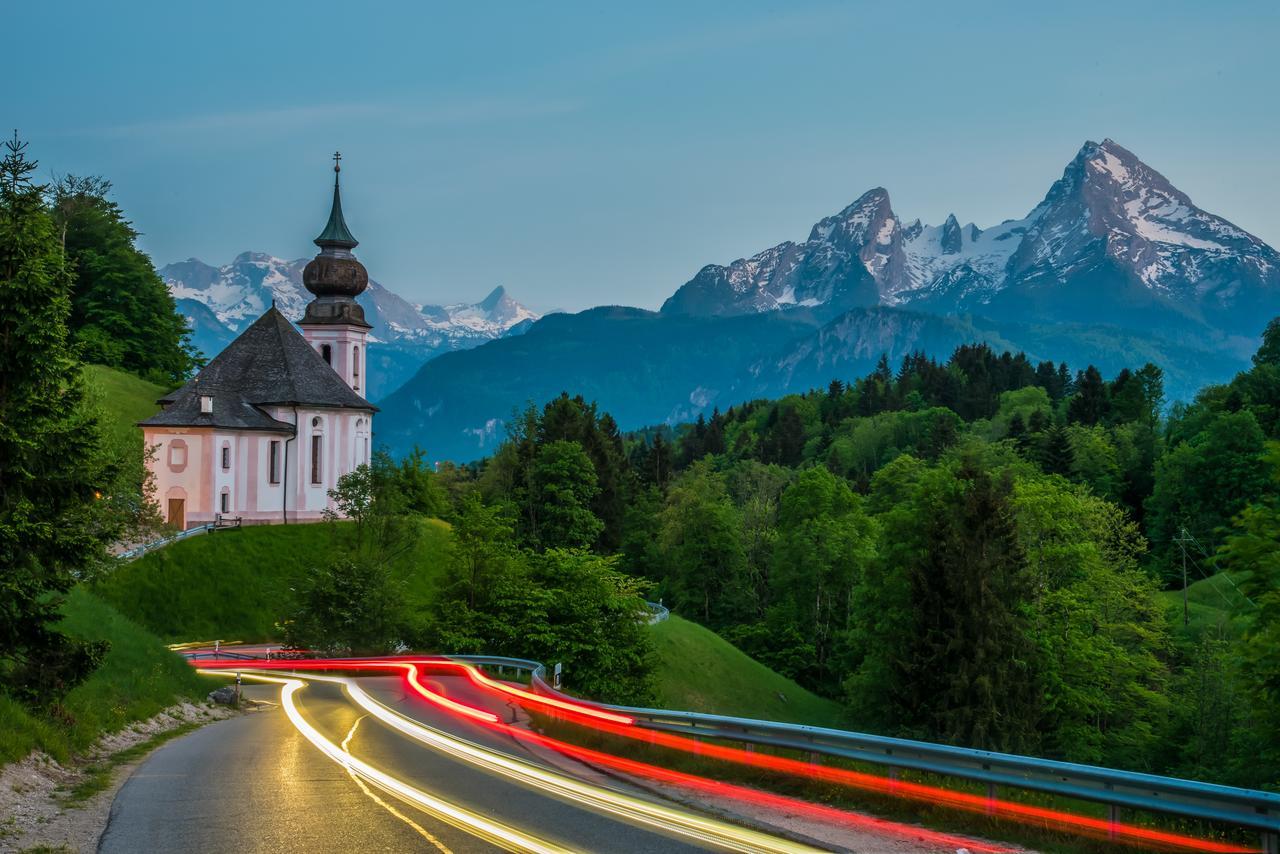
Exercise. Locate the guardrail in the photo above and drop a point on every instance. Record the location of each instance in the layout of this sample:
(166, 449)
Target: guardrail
(139, 551)
(657, 612)
(1249, 808)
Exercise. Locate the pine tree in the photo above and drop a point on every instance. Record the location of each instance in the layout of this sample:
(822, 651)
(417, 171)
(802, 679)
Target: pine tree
(1038, 423)
(51, 466)
(973, 681)
(1056, 456)
(1091, 404)
(1017, 431)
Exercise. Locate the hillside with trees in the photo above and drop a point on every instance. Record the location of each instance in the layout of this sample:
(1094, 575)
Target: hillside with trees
(983, 551)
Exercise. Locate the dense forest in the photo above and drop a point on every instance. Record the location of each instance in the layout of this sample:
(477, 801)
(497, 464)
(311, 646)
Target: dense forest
(977, 551)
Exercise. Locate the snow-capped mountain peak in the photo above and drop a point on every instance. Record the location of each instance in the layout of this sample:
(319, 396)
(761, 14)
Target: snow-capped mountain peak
(1111, 237)
(221, 301)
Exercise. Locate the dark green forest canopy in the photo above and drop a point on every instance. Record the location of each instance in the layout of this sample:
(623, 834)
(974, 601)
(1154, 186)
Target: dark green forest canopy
(971, 551)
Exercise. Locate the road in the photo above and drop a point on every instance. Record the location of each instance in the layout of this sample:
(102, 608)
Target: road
(255, 783)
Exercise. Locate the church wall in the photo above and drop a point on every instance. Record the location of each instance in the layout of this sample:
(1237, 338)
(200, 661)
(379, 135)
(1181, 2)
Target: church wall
(181, 471)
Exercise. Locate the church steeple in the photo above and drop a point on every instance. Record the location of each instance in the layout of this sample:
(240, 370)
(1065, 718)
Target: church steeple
(334, 323)
(336, 235)
(334, 275)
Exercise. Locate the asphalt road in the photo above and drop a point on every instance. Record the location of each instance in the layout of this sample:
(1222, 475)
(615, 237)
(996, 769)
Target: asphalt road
(254, 783)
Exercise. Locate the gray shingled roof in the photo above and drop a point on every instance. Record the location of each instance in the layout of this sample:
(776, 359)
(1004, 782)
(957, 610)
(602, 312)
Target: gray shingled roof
(270, 363)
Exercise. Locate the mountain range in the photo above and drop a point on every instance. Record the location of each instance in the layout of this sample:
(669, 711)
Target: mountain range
(219, 302)
(1114, 267)
(1112, 241)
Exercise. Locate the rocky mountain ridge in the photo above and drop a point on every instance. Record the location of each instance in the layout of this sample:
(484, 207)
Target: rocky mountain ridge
(1112, 241)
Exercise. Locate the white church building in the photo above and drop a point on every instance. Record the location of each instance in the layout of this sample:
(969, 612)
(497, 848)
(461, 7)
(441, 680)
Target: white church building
(265, 430)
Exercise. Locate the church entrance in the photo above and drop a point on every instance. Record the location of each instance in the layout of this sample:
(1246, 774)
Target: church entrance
(178, 513)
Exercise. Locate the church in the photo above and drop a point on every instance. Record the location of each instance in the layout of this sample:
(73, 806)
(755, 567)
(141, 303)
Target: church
(265, 430)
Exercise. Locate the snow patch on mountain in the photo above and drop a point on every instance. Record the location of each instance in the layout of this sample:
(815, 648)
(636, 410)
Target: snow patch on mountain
(239, 292)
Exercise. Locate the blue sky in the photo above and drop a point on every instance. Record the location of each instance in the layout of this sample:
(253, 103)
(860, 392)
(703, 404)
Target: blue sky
(583, 154)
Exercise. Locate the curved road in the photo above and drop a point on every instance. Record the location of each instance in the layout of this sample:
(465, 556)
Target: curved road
(255, 783)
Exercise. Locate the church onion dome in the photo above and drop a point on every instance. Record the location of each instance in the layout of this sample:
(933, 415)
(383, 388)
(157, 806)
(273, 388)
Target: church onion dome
(335, 276)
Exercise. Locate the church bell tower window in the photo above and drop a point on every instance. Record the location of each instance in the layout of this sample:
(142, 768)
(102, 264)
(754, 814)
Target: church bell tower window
(327, 352)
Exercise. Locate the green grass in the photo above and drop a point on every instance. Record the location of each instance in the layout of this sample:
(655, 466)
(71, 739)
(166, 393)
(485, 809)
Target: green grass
(237, 584)
(699, 671)
(125, 399)
(138, 678)
(1213, 604)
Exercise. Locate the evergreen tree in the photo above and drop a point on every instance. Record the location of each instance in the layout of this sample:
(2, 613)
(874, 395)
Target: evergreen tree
(1017, 432)
(1056, 456)
(51, 468)
(973, 677)
(1038, 422)
(1090, 404)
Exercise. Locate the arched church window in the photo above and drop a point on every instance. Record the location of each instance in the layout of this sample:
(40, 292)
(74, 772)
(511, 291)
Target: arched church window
(317, 452)
(327, 352)
(355, 368)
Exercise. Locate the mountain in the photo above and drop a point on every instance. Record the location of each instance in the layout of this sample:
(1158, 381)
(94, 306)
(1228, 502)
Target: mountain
(220, 301)
(643, 367)
(1114, 267)
(647, 368)
(1111, 241)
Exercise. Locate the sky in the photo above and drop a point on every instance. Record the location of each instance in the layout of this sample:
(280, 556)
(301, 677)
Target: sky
(587, 154)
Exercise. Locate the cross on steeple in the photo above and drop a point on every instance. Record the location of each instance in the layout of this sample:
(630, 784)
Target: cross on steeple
(337, 166)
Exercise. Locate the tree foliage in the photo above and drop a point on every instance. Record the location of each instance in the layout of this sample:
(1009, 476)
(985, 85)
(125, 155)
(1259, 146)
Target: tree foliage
(53, 470)
(122, 314)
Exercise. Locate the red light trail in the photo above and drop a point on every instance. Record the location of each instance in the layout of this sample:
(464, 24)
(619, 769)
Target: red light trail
(624, 726)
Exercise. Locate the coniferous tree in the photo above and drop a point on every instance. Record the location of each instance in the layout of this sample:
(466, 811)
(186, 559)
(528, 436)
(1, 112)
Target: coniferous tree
(974, 679)
(1038, 422)
(1056, 456)
(1090, 404)
(51, 466)
(1017, 431)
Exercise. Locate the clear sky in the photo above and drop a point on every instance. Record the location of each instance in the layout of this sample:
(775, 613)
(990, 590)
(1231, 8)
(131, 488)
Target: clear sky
(596, 153)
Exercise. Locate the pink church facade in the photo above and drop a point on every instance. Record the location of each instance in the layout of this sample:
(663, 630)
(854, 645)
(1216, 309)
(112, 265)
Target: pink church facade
(266, 429)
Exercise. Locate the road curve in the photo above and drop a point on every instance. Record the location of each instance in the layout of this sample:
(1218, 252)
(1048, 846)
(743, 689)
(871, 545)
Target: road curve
(255, 783)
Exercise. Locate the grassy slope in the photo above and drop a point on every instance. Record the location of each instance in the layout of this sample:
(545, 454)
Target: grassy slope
(237, 584)
(124, 398)
(700, 671)
(138, 678)
(1212, 603)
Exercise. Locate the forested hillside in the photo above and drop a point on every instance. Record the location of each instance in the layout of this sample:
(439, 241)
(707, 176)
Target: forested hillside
(971, 551)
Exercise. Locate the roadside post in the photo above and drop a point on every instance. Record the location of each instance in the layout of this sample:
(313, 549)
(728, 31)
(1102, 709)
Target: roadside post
(556, 677)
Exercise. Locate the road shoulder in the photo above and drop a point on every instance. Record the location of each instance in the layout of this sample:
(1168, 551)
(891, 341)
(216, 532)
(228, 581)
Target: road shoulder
(65, 807)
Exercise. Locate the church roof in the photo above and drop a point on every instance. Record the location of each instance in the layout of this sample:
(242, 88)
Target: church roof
(269, 364)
